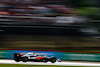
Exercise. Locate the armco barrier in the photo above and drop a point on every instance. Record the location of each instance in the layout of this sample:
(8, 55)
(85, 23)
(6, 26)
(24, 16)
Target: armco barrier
(3, 54)
(82, 56)
(63, 55)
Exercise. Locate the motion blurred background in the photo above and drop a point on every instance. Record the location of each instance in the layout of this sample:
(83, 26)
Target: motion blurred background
(50, 24)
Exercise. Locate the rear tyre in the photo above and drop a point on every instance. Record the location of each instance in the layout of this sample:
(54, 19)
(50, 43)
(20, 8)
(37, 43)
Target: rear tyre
(16, 59)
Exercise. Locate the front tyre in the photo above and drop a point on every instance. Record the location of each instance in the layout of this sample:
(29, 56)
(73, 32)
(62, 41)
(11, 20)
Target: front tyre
(25, 59)
(53, 59)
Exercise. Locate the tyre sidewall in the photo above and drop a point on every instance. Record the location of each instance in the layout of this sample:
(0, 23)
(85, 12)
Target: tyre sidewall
(53, 60)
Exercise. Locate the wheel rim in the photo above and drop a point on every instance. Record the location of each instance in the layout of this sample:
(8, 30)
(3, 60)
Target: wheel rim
(53, 60)
(25, 59)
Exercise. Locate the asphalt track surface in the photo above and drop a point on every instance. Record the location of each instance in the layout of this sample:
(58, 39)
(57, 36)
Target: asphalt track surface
(49, 63)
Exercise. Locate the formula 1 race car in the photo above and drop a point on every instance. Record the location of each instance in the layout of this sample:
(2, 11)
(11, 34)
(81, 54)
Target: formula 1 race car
(31, 57)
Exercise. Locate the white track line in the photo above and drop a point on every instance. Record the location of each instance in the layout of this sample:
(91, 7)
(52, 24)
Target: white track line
(49, 63)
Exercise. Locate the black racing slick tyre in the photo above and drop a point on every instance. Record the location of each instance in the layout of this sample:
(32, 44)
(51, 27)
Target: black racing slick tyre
(25, 59)
(53, 60)
(16, 59)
